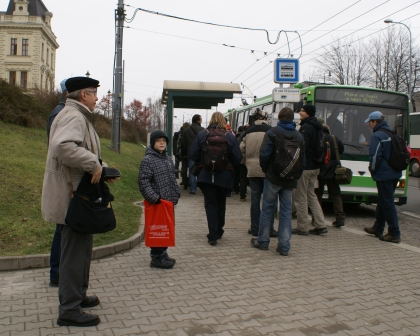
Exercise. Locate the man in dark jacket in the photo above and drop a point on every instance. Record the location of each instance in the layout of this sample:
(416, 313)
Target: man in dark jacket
(56, 242)
(277, 187)
(386, 179)
(305, 191)
(187, 139)
(327, 177)
(175, 152)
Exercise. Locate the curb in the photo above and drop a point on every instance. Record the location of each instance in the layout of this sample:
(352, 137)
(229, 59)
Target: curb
(43, 260)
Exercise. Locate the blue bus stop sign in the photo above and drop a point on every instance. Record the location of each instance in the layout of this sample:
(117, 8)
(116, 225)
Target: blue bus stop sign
(286, 70)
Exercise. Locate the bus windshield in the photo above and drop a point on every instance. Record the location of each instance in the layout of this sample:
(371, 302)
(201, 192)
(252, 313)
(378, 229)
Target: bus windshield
(345, 110)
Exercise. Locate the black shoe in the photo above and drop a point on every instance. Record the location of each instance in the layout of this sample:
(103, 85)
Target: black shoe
(294, 215)
(285, 254)
(274, 233)
(90, 301)
(254, 243)
(182, 183)
(160, 261)
(338, 223)
(53, 283)
(318, 231)
(169, 258)
(192, 192)
(185, 187)
(371, 230)
(298, 232)
(84, 320)
(252, 232)
(212, 242)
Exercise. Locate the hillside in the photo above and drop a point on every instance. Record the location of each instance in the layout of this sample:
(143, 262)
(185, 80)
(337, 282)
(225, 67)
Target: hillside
(22, 162)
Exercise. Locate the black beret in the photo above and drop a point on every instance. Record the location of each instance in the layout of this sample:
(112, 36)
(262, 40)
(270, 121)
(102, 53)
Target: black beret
(79, 83)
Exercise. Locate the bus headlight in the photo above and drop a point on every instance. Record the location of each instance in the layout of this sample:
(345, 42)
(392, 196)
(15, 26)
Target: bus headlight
(401, 184)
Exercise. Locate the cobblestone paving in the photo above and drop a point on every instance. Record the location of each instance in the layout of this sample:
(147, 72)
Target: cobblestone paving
(336, 284)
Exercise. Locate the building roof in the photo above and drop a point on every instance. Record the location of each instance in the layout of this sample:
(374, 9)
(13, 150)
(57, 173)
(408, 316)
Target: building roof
(198, 95)
(35, 8)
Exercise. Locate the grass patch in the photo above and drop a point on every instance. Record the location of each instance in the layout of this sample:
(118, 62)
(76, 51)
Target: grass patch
(22, 164)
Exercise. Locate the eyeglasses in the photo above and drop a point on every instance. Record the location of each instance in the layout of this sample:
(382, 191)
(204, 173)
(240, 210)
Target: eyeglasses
(95, 92)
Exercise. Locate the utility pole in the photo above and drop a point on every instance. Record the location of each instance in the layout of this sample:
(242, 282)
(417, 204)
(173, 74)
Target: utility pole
(118, 78)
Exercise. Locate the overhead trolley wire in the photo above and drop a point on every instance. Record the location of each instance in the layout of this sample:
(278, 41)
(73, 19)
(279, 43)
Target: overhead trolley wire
(296, 38)
(344, 37)
(207, 23)
(340, 27)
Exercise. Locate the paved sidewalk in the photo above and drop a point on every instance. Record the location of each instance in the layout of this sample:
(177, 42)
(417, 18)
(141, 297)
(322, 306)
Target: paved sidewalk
(342, 283)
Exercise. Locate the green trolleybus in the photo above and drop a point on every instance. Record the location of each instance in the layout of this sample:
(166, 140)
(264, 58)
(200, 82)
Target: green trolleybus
(344, 109)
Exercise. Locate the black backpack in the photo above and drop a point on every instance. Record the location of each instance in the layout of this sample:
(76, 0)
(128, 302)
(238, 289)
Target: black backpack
(288, 156)
(400, 156)
(319, 150)
(214, 152)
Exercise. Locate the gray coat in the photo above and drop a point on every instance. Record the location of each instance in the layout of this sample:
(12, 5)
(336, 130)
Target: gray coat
(157, 177)
(69, 145)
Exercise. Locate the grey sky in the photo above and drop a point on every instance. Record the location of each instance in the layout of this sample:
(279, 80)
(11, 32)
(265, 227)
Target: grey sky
(85, 32)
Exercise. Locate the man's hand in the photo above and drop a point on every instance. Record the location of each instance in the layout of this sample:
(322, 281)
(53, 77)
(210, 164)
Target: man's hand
(96, 176)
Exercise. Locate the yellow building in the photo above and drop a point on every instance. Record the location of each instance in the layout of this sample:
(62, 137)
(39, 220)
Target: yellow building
(27, 45)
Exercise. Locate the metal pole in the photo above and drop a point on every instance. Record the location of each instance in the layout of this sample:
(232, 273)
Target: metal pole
(118, 75)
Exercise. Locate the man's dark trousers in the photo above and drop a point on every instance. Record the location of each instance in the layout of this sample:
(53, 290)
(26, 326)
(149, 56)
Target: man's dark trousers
(55, 254)
(385, 208)
(76, 254)
(334, 193)
(215, 205)
(243, 172)
(184, 173)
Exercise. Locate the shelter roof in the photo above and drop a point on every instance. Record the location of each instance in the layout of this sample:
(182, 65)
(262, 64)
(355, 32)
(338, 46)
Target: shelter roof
(198, 95)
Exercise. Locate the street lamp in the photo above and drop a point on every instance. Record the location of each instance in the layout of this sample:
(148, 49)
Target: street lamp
(411, 56)
(87, 74)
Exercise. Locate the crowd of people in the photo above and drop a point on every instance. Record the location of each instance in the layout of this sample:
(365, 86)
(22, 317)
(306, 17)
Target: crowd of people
(279, 164)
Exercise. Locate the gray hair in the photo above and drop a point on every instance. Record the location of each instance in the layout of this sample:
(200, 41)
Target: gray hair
(76, 94)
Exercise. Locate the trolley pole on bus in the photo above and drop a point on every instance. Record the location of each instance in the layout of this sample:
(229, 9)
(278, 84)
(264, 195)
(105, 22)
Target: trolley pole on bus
(118, 78)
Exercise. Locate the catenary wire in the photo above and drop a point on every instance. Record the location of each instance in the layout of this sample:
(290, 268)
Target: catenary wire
(207, 23)
(299, 37)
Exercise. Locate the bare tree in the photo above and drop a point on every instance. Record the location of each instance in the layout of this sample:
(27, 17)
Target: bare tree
(156, 114)
(346, 63)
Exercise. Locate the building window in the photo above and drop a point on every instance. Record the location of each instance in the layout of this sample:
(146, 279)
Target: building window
(48, 51)
(12, 77)
(24, 79)
(25, 47)
(13, 46)
(42, 51)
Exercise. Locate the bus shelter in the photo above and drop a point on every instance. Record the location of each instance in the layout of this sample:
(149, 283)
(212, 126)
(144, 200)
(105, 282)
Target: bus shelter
(193, 95)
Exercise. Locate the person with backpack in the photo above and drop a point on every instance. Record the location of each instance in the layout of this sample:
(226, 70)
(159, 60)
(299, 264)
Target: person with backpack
(311, 130)
(250, 148)
(282, 159)
(327, 175)
(56, 242)
(385, 176)
(216, 152)
(187, 139)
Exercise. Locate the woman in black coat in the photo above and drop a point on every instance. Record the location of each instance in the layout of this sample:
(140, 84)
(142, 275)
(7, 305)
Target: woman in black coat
(215, 185)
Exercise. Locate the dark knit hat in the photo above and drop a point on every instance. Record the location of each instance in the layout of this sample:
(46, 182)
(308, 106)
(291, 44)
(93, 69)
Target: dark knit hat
(310, 109)
(156, 135)
(79, 83)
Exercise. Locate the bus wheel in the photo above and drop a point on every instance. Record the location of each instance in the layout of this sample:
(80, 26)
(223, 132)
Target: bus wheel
(415, 168)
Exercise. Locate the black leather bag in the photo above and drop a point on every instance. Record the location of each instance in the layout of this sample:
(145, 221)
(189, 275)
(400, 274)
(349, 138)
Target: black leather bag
(90, 210)
(85, 216)
(343, 175)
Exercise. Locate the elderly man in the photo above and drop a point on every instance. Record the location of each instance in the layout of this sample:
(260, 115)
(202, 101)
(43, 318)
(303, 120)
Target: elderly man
(73, 142)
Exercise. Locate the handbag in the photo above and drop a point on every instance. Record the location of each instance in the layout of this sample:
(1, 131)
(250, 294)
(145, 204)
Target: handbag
(343, 175)
(159, 228)
(90, 210)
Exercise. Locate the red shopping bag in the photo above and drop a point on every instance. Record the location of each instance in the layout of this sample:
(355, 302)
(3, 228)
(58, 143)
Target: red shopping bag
(159, 229)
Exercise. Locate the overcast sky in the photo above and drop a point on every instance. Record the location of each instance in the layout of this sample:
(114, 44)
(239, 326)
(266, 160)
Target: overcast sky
(158, 48)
